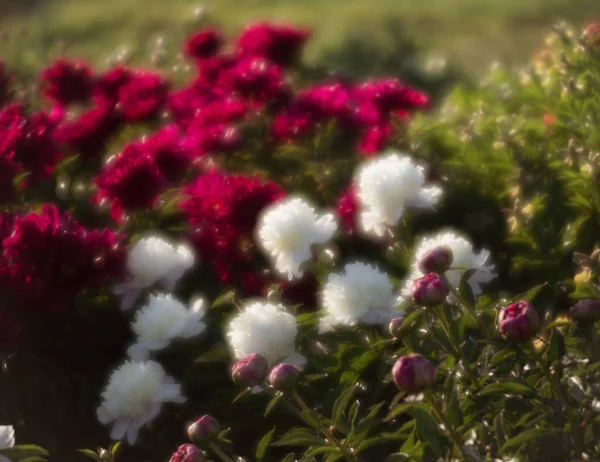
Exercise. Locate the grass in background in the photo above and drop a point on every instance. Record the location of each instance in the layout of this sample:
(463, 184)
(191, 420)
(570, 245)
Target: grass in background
(471, 33)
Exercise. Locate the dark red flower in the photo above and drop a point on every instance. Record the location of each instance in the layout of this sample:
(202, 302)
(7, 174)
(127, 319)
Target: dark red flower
(204, 44)
(374, 139)
(130, 181)
(171, 155)
(391, 96)
(53, 258)
(212, 69)
(279, 44)
(110, 83)
(89, 134)
(257, 80)
(347, 210)
(143, 97)
(30, 140)
(67, 82)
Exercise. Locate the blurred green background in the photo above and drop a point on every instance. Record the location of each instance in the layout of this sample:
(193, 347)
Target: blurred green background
(470, 33)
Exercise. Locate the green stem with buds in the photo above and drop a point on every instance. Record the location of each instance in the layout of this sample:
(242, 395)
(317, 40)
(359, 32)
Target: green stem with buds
(451, 433)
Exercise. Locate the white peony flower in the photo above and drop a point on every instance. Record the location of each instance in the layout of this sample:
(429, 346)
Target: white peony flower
(7, 440)
(463, 257)
(154, 260)
(162, 320)
(386, 186)
(267, 330)
(134, 396)
(362, 293)
(288, 229)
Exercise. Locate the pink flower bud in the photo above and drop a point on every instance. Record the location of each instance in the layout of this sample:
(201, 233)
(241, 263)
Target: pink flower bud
(437, 260)
(250, 371)
(203, 430)
(187, 453)
(519, 321)
(413, 373)
(586, 310)
(395, 326)
(429, 290)
(284, 377)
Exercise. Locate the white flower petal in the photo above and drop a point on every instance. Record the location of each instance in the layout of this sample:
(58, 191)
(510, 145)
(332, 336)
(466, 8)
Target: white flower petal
(7, 436)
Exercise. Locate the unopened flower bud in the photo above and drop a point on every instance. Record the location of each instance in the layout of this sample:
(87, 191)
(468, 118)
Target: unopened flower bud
(395, 326)
(429, 290)
(250, 371)
(203, 430)
(586, 310)
(187, 453)
(413, 373)
(519, 321)
(437, 260)
(284, 377)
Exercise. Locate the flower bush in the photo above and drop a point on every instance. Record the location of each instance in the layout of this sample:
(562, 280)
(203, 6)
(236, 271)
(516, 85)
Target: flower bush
(254, 265)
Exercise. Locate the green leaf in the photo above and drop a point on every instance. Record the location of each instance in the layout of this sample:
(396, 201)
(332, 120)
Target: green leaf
(453, 413)
(23, 451)
(556, 349)
(300, 437)
(223, 300)
(404, 408)
(20, 178)
(273, 403)
(357, 367)
(340, 405)
(289, 458)
(263, 444)
(527, 436)
(507, 388)
(33, 459)
(530, 295)
(464, 288)
(321, 450)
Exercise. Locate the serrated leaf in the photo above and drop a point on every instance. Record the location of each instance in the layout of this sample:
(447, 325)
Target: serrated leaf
(263, 444)
(524, 437)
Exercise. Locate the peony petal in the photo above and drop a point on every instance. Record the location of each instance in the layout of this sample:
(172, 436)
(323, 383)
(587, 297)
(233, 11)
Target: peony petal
(7, 436)
(138, 352)
(192, 329)
(103, 416)
(120, 428)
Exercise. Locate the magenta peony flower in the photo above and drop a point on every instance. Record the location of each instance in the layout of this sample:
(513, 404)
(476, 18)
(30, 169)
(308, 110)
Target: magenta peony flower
(66, 82)
(143, 97)
(110, 83)
(204, 44)
(30, 140)
(279, 44)
(188, 453)
(257, 80)
(519, 322)
(413, 373)
(130, 181)
(250, 371)
(347, 211)
(429, 290)
(52, 258)
(171, 154)
(89, 134)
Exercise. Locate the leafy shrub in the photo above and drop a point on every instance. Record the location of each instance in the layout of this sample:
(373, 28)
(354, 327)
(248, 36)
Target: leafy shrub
(263, 267)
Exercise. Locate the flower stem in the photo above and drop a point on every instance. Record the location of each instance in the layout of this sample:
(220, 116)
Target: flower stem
(451, 433)
(470, 309)
(219, 452)
(329, 435)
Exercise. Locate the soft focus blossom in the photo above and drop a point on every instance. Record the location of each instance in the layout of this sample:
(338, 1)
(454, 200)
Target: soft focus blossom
(143, 97)
(287, 231)
(204, 44)
(110, 83)
(279, 44)
(386, 186)
(347, 210)
(51, 258)
(266, 329)
(7, 440)
(154, 260)
(67, 82)
(361, 294)
(134, 396)
(163, 319)
(130, 181)
(464, 257)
